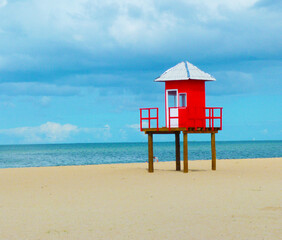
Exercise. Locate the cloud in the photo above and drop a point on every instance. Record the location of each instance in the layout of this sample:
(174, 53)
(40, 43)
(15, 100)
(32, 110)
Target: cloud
(272, 4)
(136, 126)
(44, 101)
(141, 24)
(130, 130)
(37, 89)
(105, 55)
(265, 131)
(99, 134)
(3, 3)
(131, 28)
(232, 82)
(133, 126)
(8, 104)
(51, 132)
(124, 45)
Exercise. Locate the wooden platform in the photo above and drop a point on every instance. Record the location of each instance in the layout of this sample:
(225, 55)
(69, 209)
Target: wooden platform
(165, 130)
(176, 132)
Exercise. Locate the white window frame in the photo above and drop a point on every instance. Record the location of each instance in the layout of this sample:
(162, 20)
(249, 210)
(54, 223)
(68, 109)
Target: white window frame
(167, 109)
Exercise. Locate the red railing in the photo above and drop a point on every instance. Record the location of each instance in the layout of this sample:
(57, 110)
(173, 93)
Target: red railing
(149, 118)
(210, 117)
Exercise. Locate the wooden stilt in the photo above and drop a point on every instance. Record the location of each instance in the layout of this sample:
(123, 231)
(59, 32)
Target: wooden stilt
(213, 151)
(150, 151)
(185, 152)
(177, 151)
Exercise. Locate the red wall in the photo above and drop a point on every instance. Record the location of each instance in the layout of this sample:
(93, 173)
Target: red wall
(196, 101)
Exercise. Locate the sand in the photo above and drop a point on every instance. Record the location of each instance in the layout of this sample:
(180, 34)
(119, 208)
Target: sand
(241, 200)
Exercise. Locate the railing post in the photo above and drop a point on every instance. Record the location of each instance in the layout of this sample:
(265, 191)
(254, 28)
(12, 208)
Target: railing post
(204, 120)
(220, 118)
(149, 116)
(141, 128)
(169, 118)
(209, 117)
(212, 119)
(157, 119)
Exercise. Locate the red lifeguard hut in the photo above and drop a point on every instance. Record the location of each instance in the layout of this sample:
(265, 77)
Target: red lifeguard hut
(185, 111)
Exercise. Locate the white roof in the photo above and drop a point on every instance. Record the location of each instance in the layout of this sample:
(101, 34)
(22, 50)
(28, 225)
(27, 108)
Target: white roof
(184, 71)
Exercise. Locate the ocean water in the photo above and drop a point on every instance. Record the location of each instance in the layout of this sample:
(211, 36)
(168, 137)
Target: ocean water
(12, 156)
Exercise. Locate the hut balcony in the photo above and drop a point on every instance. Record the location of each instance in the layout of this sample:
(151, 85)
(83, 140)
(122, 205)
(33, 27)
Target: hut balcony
(192, 119)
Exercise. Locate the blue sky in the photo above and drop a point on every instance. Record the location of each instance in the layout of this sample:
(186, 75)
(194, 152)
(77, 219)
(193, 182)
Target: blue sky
(78, 71)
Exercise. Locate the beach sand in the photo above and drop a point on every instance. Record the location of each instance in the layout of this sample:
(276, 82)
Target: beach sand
(241, 200)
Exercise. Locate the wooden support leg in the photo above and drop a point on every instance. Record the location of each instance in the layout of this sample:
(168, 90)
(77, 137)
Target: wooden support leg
(150, 151)
(185, 152)
(177, 152)
(213, 151)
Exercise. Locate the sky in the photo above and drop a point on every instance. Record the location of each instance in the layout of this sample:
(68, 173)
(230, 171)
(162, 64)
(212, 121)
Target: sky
(78, 71)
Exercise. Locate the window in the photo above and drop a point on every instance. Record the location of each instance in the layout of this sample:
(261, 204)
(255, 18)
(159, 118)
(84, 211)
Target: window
(172, 101)
(182, 100)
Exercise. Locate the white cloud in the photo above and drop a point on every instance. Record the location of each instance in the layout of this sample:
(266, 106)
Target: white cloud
(232, 82)
(44, 101)
(213, 7)
(145, 26)
(56, 131)
(136, 126)
(71, 35)
(3, 3)
(123, 134)
(130, 23)
(51, 132)
(133, 126)
(37, 89)
(70, 38)
(99, 134)
(265, 131)
(7, 104)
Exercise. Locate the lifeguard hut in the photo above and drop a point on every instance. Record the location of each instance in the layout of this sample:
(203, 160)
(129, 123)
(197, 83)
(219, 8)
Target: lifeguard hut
(185, 111)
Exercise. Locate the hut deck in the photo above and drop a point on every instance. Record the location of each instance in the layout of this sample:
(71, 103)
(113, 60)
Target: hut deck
(165, 130)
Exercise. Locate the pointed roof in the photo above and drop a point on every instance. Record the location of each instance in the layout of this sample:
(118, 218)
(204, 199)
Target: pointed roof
(184, 71)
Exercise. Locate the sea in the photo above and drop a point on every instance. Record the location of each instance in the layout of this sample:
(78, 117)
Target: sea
(42, 155)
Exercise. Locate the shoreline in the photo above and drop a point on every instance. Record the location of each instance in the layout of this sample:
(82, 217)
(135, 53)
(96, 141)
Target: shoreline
(240, 200)
(145, 142)
(102, 164)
